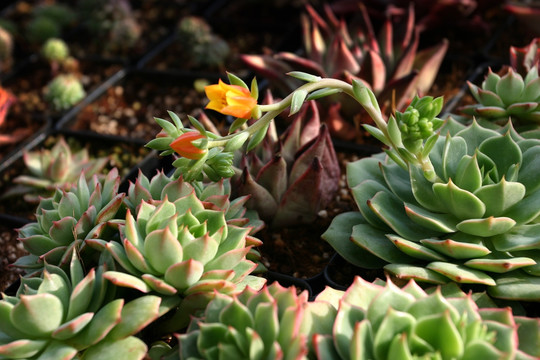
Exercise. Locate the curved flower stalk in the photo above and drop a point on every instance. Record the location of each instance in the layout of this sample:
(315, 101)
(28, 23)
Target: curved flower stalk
(382, 321)
(269, 324)
(393, 67)
(64, 221)
(182, 248)
(507, 95)
(292, 178)
(62, 315)
(461, 207)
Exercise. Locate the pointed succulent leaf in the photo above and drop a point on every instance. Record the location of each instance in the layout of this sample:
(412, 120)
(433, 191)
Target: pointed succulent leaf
(500, 265)
(415, 249)
(460, 203)
(37, 315)
(461, 273)
(184, 274)
(486, 227)
(162, 249)
(417, 273)
(136, 315)
(129, 348)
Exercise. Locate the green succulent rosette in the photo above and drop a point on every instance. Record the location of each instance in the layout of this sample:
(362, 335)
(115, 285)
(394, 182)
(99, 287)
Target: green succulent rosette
(507, 96)
(381, 321)
(474, 221)
(89, 209)
(59, 167)
(64, 315)
(268, 324)
(182, 248)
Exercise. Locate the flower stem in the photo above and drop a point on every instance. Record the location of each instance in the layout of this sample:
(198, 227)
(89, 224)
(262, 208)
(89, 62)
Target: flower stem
(273, 110)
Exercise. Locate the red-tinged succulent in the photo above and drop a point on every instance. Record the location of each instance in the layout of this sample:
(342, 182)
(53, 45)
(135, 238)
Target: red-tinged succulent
(292, 178)
(54, 168)
(524, 58)
(393, 67)
(527, 12)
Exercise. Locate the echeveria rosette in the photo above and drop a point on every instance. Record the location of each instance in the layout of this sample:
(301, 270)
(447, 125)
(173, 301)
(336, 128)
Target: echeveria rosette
(273, 323)
(214, 196)
(89, 209)
(472, 218)
(58, 167)
(507, 95)
(182, 248)
(64, 315)
(381, 321)
(291, 178)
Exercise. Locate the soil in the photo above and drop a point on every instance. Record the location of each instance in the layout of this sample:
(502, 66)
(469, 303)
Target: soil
(129, 106)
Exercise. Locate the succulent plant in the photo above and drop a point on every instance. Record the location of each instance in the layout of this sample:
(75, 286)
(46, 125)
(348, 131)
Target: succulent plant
(215, 196)
(124, 33)
(61, 315)
(376, 321)
(113, 20)
(268, 324)
(41, 28)
(507, 95)
(292, 178)
(391, 68)
(55, 50)
(527, 13)
(200, 44)
(182, 248)
(460, 207)
(64, 91)
(61, 14)
(54, 168)
(525, 58)
(64, 221)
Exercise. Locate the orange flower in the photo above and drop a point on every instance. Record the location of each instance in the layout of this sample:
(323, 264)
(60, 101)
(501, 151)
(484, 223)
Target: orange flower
(230, 100)
(183, 145)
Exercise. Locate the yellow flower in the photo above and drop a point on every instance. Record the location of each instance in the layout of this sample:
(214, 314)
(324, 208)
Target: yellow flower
(230, 100)
(183, 145)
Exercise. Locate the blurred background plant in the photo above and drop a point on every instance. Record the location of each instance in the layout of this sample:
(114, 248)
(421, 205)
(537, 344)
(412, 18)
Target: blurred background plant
(389, 62)
(200, 45)
(58, 167)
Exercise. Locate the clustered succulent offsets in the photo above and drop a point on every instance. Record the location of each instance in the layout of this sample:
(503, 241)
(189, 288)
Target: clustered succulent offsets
(368, 321)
